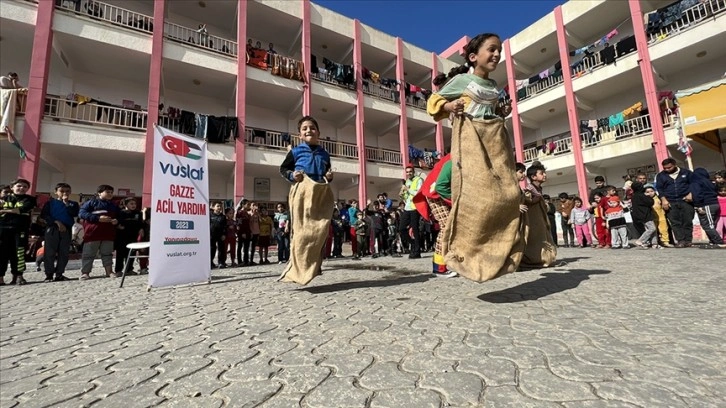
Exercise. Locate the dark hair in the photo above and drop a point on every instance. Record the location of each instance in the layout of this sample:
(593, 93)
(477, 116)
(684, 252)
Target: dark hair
(471, 48)
(641, 174)
(103, 187)
(62, 185)
(576, 199)
(721, 186)
(5, 187)
(546, 196)
(127, 200)
(13, 74)
(306, 119)
(599, 178)
(598, 194)
(563, 195)
(409, 166)
(608, 188)
(20, 181)
(280, 204)
(534, 168)
(520, 167)
(669, 160)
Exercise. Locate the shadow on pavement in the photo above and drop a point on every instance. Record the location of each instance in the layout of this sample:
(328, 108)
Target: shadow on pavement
(548, 284)
(390, 280)
(226, 279)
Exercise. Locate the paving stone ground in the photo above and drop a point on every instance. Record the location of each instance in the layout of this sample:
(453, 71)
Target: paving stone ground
(605, 328)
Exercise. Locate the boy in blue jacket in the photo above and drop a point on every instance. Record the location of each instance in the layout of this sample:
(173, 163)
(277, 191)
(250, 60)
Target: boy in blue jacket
(59, 214)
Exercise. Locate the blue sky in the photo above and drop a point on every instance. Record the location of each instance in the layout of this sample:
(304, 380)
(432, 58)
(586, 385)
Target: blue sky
(435, 25)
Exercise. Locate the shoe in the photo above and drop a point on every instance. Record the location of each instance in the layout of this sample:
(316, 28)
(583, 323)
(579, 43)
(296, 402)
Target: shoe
(252, 263)
(21, 281)
(48, 279)
(449, 274)
(267, 261)
(614, 247)
(212, 265)
(233, 265)
(112, 275)
(129, 273)
(2, 281)
(687, 244)
(60, 278)
(374, 256)
(37, 269)
(84, 276)
(222, 266)
(356, 258)
(414, 256)
(14, 280)
(680, 245)
(144, 271)
(280, 262)
(667, 245)
(658, 247)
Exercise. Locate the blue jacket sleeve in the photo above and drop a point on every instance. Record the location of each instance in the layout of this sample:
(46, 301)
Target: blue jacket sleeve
(86, 212)
(45, 213)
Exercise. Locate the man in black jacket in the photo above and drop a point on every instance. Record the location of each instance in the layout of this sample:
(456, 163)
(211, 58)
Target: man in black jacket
(674, 187)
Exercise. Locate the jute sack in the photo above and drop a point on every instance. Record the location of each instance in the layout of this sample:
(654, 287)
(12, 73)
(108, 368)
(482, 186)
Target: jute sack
(540, 250)
(311, 208)
(483, 238)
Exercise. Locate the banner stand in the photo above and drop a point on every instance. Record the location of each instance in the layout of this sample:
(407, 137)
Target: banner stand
(180, 241)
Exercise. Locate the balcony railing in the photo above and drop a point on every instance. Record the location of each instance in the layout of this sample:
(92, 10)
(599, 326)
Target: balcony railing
(383, 155)
(199, 39)
(705, 9)
(541, 86)
(562, 146)
(328, 79)
(418, 103)
(632, 127)
(21, 102)
(379, 91)
(587, 65)
(110, 13)
(95, 114)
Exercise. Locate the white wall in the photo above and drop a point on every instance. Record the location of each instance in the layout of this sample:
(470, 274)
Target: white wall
(617, 103)
(264, 118)
(112, 91)
(695, 76)
(197, 104)
(554, 126)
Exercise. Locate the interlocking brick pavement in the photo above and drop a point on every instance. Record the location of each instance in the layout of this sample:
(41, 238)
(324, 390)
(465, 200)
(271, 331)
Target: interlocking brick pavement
(604, 328)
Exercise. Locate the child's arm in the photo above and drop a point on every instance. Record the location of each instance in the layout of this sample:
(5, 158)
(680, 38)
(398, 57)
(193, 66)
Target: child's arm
(438, 104)
(86, 212)
(287, 169)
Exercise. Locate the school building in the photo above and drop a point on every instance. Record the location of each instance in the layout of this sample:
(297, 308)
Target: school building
(589, 84)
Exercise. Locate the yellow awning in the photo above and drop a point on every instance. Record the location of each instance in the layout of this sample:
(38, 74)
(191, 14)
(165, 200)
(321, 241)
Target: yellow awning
(703, 108)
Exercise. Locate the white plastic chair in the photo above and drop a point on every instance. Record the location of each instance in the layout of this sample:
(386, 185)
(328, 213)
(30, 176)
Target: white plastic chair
(135, 249)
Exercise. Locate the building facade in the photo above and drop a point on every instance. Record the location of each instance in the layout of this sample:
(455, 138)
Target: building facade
(101, 74)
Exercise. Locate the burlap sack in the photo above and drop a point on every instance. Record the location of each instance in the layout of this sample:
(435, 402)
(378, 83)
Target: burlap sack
(483, 240)
(540, 251)
(311, 208)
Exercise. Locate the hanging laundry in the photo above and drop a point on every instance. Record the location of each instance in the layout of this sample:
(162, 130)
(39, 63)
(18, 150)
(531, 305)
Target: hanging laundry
(258, 58)
(633, 109)
(375, 78)
(615, 120)
(521, 83)
(607, 55)
(611, 34)
(544, 74)
(313, 64)
(625, 46)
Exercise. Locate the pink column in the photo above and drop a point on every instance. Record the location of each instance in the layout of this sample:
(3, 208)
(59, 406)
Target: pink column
(439, 128)
(37, 84)
(359, 115)
(403, 121)
(239, 144)
(651, 91)
(571, 105)
(512, 82)
(157, 44)
(306, 49)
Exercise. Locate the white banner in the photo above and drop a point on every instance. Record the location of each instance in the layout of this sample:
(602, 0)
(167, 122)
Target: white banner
(179, 239)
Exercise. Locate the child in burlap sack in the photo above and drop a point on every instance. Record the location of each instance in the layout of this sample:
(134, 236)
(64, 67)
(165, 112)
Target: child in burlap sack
(482, 239)
(307, 167)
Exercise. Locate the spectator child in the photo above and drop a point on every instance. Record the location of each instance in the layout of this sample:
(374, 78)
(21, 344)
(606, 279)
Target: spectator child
(14, 225)
(361, 235)
(217, 235)
(721, 225)
(59, 214)
(282, 233)
(642, 213)
(338, 234)
(705, 202)
(254, 220)
(230, 239)
(565, 207)
(579, 217)
(99, 216)
(263, 242)
(392, 236)
(130, 224)
(244, 234)
(615, 218)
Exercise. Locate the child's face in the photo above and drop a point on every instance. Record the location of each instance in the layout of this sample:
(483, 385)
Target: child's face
(722, 192)
(612, 203)
(598, 198)
(360, 216)
(131, 205)
(63, 193)
(719, 179)
(650, 192)
(541, 176)
(612, 192)
(106, 195)
(20, 188)
(520, 175)
(487, 57)
(5, 192)
(390, 221)
(309, 132)
(578, 203)
(229, 214)
(217, 208)
(254, 207)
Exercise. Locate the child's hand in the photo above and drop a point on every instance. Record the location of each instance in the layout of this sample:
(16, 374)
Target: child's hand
(523, 208)
(329, 175)
(506, 109)
(456, 106)
(298, 176)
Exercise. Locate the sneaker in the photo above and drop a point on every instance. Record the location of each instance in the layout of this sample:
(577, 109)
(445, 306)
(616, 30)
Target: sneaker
(267, 262)
(449, 274)
(60, 278)
(280, 262)
(213, 265)
(252, 263)
(414, 256)
(84, 276)
(144, 271)
(48, 279)
(667, 245)
(21, 281)
(222, 266)
(112, 275)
